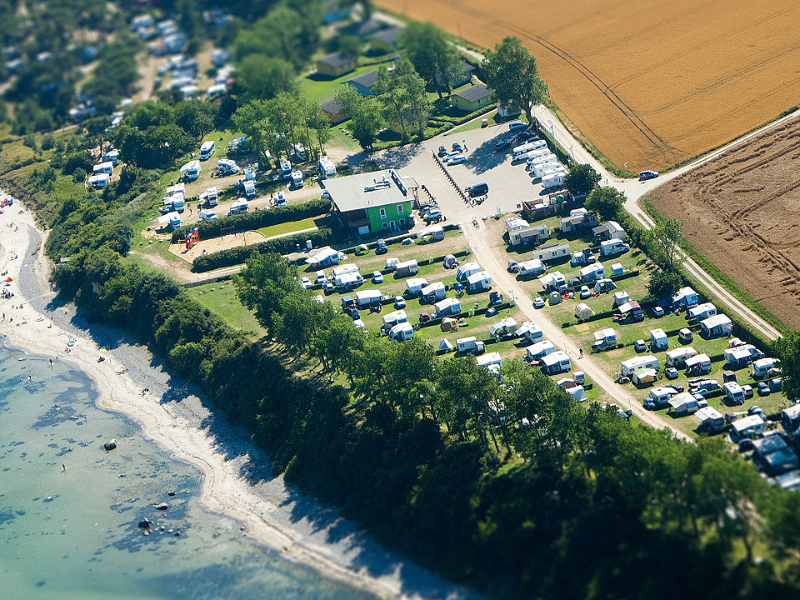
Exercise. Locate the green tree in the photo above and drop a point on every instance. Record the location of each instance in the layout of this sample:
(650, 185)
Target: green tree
(365, 115)
(511, 72)
(438, 62)
(582, 179)
(663, 243)
(787, 349)
(336, 340)
(195, 117)
(253, 120)
(663, 283)
(263, 77)
(606, 202)
(401, 92)
(266, 279)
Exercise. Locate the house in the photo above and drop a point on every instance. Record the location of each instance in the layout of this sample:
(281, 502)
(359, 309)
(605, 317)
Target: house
(609, 230)
(371, 202)
(521, 233)
(472, 98)
(363, 29)
(333, 110)
(469, 70)
(336, 64)
(363, 83)
(384, 40)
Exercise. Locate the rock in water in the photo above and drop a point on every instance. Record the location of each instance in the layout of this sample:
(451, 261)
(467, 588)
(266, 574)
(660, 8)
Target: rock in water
(110, 444)
(171, 493)
(161, 506)
(144, 523)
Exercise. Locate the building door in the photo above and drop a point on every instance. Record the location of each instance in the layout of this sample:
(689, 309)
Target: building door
(392, 225)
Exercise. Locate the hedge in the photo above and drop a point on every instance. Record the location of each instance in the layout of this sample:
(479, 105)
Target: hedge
(282, 245)
(256, 219)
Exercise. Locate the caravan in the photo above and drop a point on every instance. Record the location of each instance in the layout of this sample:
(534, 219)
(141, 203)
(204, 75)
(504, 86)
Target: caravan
(741, 356)
(734, 393)
(504, 327)
(325, 258)
(677, 358)
(592, 273)
(552, 252)
(702, 311)
(415, 285)
(530, 268)
(716, 326)
(711, 420)
(556, 362)
(406, 268)
(553, 282)
(698, 365)
(394, 318)
(630, 366)
(447, 308)
(763, 366)
(605, 339)
(684, 299)
(466, 270)
(530, 332)
(434, 292)
(539, 350)
(401, 332)
(658, 340)
(469, 345)
(368, 298)
(683, 404)
(104, 167)
(479, 282)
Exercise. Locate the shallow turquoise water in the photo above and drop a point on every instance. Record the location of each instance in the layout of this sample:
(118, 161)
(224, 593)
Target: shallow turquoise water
(73, 534)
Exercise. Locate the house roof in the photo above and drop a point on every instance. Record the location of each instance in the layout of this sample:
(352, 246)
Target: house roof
(332, 106)
(350, 193)
(474, 93)
(337, 59)
(367, 79)
(364, 28)
(386, 36)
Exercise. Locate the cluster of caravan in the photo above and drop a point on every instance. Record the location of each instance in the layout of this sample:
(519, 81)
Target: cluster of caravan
(541, 162)
(101, 172)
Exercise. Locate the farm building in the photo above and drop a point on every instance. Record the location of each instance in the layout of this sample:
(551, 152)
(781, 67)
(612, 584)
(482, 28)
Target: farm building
(371, 202)
(363, 83)
(337, 63)
(472, 98)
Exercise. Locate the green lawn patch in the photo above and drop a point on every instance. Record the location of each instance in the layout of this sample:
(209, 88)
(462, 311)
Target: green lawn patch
(294, 226)
(220, 298)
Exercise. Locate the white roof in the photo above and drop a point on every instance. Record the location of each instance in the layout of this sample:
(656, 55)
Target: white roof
(430, 289)
(702, 308)
(636, 361)
(708, 412)
(658, 334)
(681, 352)
(365, 190)
(541, 347)
(715, 321)
(368, 294)
(344, 269)
(478, 277)
(554, 358)
(683, 292)
(733, 386)
(605, 334)
(530, 265)
(682, 399)
(490, 358)
(395, 317)
(191, 165)
(747, 422)
(321, 254)
(446, 303)
(416, 282)
(698, 360)
(98, 178)
(401, 327)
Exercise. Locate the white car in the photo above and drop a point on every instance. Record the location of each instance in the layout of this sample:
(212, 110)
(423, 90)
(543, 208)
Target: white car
(377, 277)
(305, 283)
(456, 160)
(321, 278)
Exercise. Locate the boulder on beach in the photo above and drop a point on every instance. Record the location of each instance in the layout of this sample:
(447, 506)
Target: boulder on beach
(110, 444)
(161, 506)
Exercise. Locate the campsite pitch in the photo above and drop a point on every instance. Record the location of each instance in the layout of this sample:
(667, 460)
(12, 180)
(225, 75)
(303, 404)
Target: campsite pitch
(242, 238)
(744, 206)
(649, 83)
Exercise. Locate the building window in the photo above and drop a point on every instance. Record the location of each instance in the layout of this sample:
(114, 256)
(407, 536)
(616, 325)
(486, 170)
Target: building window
(402, 223)
(383, 213)
(399, 209)
(386, 226)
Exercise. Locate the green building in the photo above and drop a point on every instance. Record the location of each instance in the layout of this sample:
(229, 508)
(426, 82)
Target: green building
(373, 202)
(471, 98)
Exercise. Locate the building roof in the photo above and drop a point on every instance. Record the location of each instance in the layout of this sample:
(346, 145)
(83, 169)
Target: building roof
(473, 93)
(364, 28)
(332, 106)
(386, 36)
(367, 79)
(337, 59)
(351, 193)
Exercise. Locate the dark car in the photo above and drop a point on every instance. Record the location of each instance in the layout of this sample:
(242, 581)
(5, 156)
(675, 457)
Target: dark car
(645, 175)
(526, 136)
(442, 152)
(500, 146)
(381, 248)
(457, 147)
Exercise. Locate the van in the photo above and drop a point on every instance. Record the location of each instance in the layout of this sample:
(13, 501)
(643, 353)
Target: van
(208, 215)
(734, 393)
(479, 189)
(615, 246)
(207, 149)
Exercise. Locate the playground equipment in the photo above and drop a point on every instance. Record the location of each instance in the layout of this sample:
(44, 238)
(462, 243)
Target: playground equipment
(191, 238)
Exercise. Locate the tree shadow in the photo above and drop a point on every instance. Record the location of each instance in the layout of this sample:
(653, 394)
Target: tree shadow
(485, 158)
(400, 156)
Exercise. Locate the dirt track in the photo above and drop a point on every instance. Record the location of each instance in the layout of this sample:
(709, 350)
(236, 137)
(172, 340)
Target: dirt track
(650, 83)
(742, 210)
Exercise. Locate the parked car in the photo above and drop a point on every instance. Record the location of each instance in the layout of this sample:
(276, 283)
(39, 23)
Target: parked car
(479, 189)
(645, 175)
(639, 346)
(457, 147)
(442, 152)
(381, 248)
(763, 389)
(517, 125)
(305, 283)
(320, 277)
(757, 410)
(658, 312)
(671, 373)
(432, 216)
(399, 302)
(538, 302)
(456, 160)
(585, 292)
(500, 146)
(377, 277)
(525, 136)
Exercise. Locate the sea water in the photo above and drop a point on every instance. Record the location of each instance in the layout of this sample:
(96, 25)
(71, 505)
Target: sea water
(70, 510)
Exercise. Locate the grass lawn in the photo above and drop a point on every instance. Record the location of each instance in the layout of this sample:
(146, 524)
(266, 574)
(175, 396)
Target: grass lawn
(292, 226)
(477, 122)
(319, 89)
(220, 298)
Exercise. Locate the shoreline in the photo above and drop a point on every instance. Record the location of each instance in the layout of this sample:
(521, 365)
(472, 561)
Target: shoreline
(236, 479)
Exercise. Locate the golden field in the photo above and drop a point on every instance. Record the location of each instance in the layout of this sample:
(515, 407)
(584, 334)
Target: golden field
(648, 82)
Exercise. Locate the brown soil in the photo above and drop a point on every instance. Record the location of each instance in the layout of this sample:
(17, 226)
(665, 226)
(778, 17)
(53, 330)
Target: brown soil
(742, 210)
(216, 244)
(650, 83)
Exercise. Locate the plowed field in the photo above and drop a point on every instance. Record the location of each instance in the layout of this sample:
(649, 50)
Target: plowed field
(649, 82)
(743, 210)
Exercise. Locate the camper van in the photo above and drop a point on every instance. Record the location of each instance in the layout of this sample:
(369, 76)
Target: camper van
(734, 393)
(556, 362)
(684, 299)
(630, 366)
(401, 332)
(530, 332)
(658, 340)
(414, 286)
(605, 339)
(368, 298)
(466, 270)
(447, 307)
(659, 397)
(683, 404)
(677, 358)
(762, 366)
(207, 149)
(239, 207)
(711, 420)
(249, 189)
(698, 365)
(552, 252)
(297, 179)
(208, 215)
(469, 345)
(286, 169)
(191, 170)
(504, 327)
(612, 247)
(209, 197)
(553, 282)
(539, 350)
(327, 169)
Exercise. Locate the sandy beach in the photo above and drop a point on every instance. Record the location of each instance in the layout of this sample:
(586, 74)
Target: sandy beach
(237, 481)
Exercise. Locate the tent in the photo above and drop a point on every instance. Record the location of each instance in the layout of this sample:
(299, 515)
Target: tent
(583, 312)
(445, 345)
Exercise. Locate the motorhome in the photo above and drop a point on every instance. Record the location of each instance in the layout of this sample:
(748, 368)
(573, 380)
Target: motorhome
(327, 169)
(447, 307)
(191, 170)
(209, 197)
(208, 215)
(658, 340)
(239, 207)
(469, 345)
(539, 350)
(612, 247)
(249, 189)
(401, 332)
(677, 358)
(207, 149)
(415, 285)
(297, 179)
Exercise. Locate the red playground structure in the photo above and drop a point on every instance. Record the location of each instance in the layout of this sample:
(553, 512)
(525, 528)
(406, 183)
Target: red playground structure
(191, 238)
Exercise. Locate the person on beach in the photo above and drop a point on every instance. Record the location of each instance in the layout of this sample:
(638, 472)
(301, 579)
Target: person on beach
(64, 468)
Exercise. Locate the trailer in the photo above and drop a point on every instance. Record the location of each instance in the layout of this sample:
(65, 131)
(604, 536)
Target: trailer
(239, 207)
(659, 397)
(406, 268)
(554, 180)
(434, 292)
(717, 326)
(553, 282)
(209, 197)
(469, 345)
(504, 327)
(368, 298)
(734, 393)
(702, 311)
(539, 350)
(447, 307)
(325, 257)
(530, 331)
(762, 367)
(490, 360)
(698, 365)
(528, 147)
(415, 285)
(191, 170)
(347, 281)
(552, 252)
(530, 268)
(394, 318)
(684, 299)
(677, 358)
(711, 420)
(630, 366)
(592, 273)
(555, 363)
(658, 340)
(466, 270)
(750, 427)
(683, 404)
(479, 282)
(401, 332)
(605, 339)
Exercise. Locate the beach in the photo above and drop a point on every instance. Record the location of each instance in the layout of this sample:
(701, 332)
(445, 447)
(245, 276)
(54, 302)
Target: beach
(237, 481)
